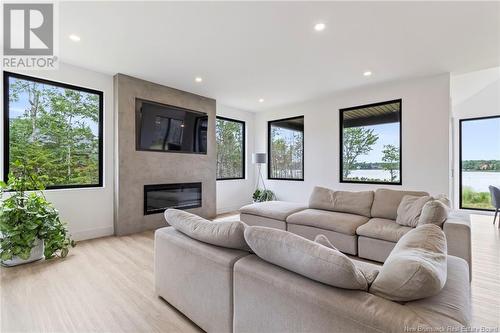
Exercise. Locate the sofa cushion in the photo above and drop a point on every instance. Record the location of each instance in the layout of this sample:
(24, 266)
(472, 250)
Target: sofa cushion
(226, 234)
(454, 299)
(305, 257)
(278, 210)
(383, 229)
(323, 240)
(435, 212)
(369, 270)
(410, 208)
(359, 203)
(416, 267)
(324, 219)
(386, 202)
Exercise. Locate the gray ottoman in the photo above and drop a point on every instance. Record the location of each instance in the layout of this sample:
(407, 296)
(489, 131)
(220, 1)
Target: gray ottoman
(270, 214)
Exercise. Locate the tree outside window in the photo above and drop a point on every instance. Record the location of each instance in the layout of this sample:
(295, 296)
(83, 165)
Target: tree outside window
(371, 143)
(55, 130)
(230, 138)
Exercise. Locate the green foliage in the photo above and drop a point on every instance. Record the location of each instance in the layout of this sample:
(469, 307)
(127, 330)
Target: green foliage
(481, 165)
(28, 216)
(356, 141)
(263, 195)
(473, 199)
(229, 137)
(54, 135)
(391, 160)
(287, 153)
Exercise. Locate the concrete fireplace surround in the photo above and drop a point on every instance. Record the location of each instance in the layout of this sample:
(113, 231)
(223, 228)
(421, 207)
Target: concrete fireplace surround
(134, 169)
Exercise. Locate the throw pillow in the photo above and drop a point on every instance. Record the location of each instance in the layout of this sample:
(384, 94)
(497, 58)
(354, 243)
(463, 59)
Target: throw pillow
(305, 257)
(435, 211)
(225, 234)
(409, 210)
(416, 267)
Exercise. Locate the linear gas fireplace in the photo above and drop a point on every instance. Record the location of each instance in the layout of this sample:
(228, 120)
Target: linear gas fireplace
(157, 198)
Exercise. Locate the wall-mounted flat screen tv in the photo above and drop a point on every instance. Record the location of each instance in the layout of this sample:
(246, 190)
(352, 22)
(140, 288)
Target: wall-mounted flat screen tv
(167, 128)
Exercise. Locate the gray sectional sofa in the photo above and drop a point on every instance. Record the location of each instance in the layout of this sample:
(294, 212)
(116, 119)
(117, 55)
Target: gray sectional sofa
(227, 288)
(362, 224)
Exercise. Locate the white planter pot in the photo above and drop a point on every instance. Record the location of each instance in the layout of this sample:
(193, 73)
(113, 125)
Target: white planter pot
(36, 254)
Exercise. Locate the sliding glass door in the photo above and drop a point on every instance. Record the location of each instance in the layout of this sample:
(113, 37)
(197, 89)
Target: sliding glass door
(479, 161)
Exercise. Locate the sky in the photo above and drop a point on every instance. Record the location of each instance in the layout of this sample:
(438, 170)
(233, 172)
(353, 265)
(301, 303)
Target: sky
(388, 134)
(481, 139)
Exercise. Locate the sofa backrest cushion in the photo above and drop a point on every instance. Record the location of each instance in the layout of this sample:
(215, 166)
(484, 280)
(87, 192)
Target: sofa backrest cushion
(359, 203)
(410, 209)
(305, 257)
(386, 202)
(226, 234)
(435, 211)
(416, 268)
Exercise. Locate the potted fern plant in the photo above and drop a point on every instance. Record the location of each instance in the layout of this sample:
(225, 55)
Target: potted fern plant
(263, 195)
(30, 227)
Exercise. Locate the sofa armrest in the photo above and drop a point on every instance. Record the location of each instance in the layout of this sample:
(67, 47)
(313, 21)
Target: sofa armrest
(196, 278)
(458, 235)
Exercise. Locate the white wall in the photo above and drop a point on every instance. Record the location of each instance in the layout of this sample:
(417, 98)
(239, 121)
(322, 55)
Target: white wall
(475, 94)
(425, 141)
(232, 194)
(88, 212)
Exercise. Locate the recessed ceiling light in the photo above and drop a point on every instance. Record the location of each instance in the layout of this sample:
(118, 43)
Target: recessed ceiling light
(198, 79)
(319, 26)
(367, 73)
(74, 38)
(261, 100)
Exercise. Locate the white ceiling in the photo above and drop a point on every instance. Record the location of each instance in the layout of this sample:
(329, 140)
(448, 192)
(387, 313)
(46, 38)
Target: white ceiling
(250, 50)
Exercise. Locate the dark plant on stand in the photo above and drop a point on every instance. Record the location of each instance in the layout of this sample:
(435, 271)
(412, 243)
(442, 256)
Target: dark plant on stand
(27, 218)
(263, 195)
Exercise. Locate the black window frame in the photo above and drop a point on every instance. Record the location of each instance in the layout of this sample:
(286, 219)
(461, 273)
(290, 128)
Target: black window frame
(244, 136)
(341, 142)
(6, 125)
(269, 124)
(460, 122)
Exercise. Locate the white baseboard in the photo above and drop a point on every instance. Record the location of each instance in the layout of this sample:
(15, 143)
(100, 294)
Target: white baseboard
(92, 233)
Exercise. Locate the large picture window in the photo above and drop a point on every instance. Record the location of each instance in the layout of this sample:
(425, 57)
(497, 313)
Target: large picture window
(230, 137)
(54, 130)
(370, 143)
(479, 161)
(286, 149)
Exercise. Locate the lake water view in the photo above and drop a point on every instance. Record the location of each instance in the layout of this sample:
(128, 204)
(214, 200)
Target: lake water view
(383, 175)
(477, 180)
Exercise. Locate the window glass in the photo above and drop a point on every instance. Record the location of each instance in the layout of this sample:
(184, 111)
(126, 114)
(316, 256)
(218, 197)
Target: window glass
(286, 149)
(479, 161)
(370, 143)
(55, 130)
(230, 137)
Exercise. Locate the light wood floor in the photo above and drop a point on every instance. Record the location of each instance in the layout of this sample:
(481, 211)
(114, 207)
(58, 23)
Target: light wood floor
(106, 285)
